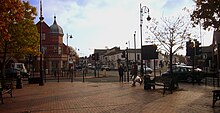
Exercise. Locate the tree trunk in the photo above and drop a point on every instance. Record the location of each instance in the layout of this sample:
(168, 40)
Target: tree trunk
(171, 62)
(171, 70)
(3, 65)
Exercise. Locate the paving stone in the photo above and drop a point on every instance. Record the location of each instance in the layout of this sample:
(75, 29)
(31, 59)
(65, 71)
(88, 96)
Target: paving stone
(78, 97)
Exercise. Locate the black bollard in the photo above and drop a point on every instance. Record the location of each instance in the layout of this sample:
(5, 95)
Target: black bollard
(18, 81)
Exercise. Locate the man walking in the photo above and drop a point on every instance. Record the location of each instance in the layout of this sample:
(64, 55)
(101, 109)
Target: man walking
(121, 72)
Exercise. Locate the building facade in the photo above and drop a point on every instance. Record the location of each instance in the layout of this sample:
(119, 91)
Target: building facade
(115, 56)
(55, 52)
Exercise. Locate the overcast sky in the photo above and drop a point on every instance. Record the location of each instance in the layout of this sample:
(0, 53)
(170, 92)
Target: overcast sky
(100, 24)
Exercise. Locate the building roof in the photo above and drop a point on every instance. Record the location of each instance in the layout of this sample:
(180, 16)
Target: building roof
(100, 51)
(55, 28)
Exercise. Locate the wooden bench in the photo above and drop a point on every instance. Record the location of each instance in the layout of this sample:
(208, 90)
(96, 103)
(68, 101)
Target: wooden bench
(6, 89)
(216, 96)
(166, 82)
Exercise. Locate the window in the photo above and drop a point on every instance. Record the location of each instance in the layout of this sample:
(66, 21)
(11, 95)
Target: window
(44, 50)
(138, 56)
(43, 36)
(59, 50)
(55, 49)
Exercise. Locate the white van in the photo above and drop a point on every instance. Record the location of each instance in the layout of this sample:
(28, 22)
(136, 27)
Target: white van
(19, 66)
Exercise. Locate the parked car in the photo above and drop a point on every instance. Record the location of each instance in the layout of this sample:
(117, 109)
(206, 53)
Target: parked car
(19, 66)
(91, 67)
(78, 67)
(107, 68)
(147, 70)
(185, 73)
(12, 73)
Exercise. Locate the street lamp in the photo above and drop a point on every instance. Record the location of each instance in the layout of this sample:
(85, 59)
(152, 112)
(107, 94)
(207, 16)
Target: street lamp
(135, 52)
(41, 82)
(127, 62)
(67, 61)
(143, 10)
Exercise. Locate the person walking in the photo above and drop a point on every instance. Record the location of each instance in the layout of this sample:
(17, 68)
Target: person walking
(121, 72)
(134, 72)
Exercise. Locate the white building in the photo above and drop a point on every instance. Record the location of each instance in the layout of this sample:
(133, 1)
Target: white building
(112, 57)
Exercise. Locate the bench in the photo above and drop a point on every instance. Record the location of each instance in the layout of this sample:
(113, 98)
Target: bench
(216, 96)
(6, 89)
(166, 82)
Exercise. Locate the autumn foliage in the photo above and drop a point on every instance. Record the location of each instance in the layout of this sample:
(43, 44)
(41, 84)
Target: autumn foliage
(18, 33)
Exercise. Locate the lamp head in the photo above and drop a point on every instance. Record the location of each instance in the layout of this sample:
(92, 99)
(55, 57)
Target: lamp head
(148, 18)
(71, 36)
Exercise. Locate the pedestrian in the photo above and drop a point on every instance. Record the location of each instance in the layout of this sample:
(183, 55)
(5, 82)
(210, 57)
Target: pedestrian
(121, 72)
(134, 72)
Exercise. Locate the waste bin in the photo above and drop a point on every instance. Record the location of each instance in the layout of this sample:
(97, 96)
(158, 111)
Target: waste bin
(147, 80)
(18, 81)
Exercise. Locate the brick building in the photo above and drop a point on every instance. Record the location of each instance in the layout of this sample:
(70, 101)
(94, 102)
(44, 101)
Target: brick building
(54, 50)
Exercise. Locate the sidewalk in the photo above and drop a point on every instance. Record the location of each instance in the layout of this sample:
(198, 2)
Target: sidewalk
(78, 97)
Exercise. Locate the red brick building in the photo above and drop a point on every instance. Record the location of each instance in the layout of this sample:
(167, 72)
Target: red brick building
(54, 50)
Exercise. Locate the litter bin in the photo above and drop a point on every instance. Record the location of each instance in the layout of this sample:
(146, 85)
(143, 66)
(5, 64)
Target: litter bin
(18, 81)
(147, 80)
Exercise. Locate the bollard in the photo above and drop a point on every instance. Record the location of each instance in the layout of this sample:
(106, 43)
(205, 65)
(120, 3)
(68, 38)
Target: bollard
(18, 81)
(71, 75)
(83, 75)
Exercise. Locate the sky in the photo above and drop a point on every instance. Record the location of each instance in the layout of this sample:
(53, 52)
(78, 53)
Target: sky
(101, 24)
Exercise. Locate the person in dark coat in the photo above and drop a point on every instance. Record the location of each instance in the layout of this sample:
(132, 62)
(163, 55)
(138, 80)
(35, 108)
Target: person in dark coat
(121, 72)
(134, 71)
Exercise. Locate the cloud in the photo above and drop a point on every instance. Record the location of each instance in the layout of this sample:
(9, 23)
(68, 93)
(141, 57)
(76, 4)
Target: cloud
(101, 23)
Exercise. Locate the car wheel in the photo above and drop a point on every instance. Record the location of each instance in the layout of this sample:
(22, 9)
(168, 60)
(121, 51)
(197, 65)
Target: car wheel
(189, 79)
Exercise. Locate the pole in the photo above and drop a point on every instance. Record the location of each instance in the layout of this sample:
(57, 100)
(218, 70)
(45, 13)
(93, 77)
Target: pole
(127, 65)
(154, 68)
(67, 61)
(194, 53)
(135, 52)
(141, 21)
(95, 69)
(41, 83)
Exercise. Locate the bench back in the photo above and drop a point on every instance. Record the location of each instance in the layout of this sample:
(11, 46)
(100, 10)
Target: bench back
(161, 79)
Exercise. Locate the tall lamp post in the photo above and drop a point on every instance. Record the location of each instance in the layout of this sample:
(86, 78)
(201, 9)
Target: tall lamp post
(127, 70)
(68, 51)
(41, 83)
(143, 10)
(135, 52)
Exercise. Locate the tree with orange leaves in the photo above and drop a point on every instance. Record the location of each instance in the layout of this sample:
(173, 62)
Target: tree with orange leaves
(18, 33)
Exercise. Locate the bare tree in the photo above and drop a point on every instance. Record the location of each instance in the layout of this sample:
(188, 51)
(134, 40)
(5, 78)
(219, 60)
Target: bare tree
(171, 34)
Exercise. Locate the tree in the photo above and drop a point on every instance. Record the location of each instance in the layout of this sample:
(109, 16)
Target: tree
(207, 13)
(171, 35)
(18, 33)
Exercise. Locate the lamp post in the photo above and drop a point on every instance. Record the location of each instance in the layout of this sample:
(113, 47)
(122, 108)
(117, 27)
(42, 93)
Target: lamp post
(135, 52)
(67, 61)
(143, 10)
(127, 70)
(41, 82)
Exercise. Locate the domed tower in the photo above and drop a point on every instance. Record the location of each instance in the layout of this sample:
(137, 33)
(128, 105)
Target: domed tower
(56, 36)
(55, 29)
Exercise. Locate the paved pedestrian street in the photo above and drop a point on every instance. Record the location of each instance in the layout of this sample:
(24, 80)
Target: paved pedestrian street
(88, 97)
